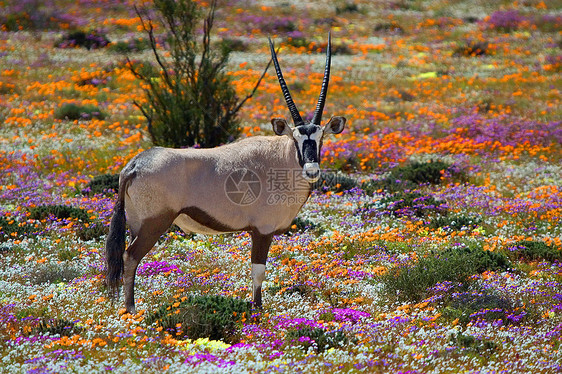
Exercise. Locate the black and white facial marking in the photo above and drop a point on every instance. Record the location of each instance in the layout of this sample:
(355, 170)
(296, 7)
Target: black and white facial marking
(307, 135)
(308, 141)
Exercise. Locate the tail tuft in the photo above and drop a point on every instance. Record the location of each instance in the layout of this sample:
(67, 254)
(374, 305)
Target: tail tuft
(115, 247)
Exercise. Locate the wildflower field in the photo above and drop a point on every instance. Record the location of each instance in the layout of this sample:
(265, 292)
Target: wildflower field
(433, 245)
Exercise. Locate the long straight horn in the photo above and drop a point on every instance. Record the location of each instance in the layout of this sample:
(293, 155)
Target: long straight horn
(324, 90)
(297, 119)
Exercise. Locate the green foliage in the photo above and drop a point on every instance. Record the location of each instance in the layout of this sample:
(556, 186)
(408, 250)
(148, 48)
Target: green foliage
(474, 345)
(11, 228)
(529, 250)
(54, 273)
(88, 40)
(206, 316)
(301, 289)
(455, 264)
(456, 222)
(318, 338)
(41, 212)
(31, 15)
(68, 254)
(61, 327)
(106, 184)
(335, 182)
(485, 305)
(410, 203)
(347, 8)
(192, 101)
(421, 172)
(353, 248)
(387, 184)
(410, 176)
(143, 68)
(473, 49)
(237, 45)
(71, 111)
(478, 260)
(129, 46)
(392, 27)
(301, 225)
(92, 231)
(297, 41)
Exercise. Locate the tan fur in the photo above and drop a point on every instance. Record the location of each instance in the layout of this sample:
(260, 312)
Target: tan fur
(169, 180)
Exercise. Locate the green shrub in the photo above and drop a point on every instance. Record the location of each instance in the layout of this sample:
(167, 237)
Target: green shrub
(129, 46)
(410, 176)
(106, 184)
(41, 212)
(68, 253)
(297, 41)
(320, 339)
(301, 225)
(32, 15)
(61, 327)
(472, 49)
(301, 289)
(88, 40)
(485, 305)
(392, 27)
(214, 317)
(192, 101)
(92, 231)
(387, 184)
(411, 203)
(348, 8)
(479, 260)
(351, 249)
(455, 264)
(474, 345)
(334, 182)
(237, 45)
(71, 111)
(11, 228)
(529, 250)
(421, 172)
(144, 68)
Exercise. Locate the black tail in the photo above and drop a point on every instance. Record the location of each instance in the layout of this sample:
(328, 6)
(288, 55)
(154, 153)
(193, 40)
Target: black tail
(115, 244)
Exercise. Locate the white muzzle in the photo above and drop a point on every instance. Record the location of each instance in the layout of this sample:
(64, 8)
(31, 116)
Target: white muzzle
(311, 172)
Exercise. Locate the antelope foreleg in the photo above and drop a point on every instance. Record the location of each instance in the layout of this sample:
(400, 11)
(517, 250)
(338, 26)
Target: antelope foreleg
(260, 249)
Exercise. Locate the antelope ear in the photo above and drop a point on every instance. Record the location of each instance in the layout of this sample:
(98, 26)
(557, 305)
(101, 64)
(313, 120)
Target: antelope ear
(281, 127)
(335, 126)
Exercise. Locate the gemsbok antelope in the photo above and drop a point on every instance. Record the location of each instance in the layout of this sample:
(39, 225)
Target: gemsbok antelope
(257, 184)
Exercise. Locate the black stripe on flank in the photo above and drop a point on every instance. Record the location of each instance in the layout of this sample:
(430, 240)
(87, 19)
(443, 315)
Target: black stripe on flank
(204, 219)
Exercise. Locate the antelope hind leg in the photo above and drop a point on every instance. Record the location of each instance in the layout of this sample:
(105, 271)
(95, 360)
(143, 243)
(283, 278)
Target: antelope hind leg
(149, 233)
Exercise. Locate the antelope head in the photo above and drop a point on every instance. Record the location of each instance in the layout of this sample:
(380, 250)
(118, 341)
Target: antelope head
(307, 135)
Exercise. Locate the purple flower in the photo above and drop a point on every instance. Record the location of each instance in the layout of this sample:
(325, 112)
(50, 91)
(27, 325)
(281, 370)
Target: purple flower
(505, 20)
(158, 267)
(348, 315)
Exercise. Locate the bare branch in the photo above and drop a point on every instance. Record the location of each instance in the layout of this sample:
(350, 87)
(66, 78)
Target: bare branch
(207, 26)
(237, 108)
(150, 31)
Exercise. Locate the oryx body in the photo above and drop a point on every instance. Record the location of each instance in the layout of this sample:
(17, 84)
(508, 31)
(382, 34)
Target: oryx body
(235, 187)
